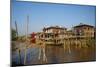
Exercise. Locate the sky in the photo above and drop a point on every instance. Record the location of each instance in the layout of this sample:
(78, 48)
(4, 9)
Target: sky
(49, 14)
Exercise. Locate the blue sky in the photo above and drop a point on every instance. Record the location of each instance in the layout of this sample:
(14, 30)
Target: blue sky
(47, 14)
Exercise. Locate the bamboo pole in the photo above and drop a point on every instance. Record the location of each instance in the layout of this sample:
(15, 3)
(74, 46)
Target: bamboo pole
(17, 38)
(44, 53)
(19, 56)
(40, 49)
(76, 42)
(25, 56)
(44, 47)
(69, 50)
(16, 28)
(39, 57)
(26, 40)
(64, 45)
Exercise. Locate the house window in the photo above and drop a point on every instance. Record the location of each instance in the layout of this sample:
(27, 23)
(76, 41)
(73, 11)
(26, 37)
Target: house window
(88, 28)
(84, 27)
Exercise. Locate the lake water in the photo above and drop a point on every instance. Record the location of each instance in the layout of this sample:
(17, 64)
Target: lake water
(53, 54)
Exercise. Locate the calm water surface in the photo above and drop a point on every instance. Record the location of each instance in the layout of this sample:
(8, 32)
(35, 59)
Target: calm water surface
(53, 54)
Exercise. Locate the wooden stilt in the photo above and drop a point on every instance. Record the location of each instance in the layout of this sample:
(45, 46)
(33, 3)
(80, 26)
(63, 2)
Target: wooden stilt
(26, 40)
(19, 53)
(44, 55)
(39, 54)
(69, 50)
(43, 49)
(64, 45)
(25, 55)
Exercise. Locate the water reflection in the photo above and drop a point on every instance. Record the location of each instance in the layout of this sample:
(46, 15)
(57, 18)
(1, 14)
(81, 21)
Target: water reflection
(52, 54)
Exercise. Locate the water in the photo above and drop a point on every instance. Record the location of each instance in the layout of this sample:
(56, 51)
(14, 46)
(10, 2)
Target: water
(53, 54)
(31, 55)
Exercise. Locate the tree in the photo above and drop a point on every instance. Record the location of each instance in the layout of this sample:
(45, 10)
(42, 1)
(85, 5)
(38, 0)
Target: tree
(13, 34)
(33, 37)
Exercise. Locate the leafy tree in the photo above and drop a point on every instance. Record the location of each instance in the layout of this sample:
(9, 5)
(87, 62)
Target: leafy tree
(13, 34)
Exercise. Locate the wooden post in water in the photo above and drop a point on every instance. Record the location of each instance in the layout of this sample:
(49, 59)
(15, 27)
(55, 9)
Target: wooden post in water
(19, 50)
(40, 49)
(25, 56)
(85, 42)
(44, 47)
(19, 53)
(76, 42)
(80, 44)
(26, 39)
(39, 52)
(64, 42)
(69, 50)
(44, 55)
